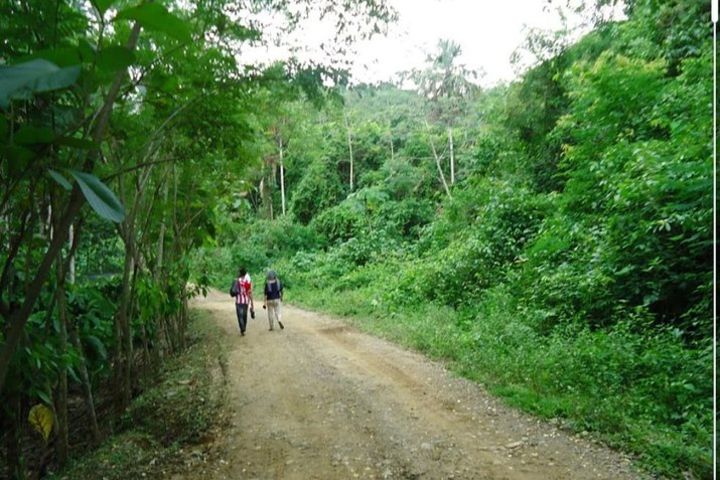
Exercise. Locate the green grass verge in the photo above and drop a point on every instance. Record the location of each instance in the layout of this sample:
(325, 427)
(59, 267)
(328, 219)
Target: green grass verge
(178, 413)
(636, 393)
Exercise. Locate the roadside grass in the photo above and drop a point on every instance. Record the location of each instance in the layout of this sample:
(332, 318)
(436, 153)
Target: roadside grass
(627, 390)
(180, 412)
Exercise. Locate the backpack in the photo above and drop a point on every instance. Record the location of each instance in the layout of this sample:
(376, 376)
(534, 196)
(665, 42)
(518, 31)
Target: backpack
(274, 287)
(234, 290)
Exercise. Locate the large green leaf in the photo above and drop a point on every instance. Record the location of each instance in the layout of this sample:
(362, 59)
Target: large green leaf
(86, 50)
(24, 79)
(99, 196)
(115, 58)
(60, 179)
(60, 57)
(102, 5)
(154, 16)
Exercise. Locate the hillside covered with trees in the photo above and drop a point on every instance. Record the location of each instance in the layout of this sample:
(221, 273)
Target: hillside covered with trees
(550, 238)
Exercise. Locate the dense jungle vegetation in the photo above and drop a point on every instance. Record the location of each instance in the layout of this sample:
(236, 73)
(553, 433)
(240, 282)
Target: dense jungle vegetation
(145, 112)
(550, 238)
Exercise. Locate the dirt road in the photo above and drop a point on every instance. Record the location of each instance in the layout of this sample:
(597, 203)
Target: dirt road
(320, 400)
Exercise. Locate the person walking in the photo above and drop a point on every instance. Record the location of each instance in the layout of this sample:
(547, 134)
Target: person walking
(273, 297)
(242, 290)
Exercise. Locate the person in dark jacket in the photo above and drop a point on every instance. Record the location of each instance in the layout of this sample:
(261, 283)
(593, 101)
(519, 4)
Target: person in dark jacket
(273, 297)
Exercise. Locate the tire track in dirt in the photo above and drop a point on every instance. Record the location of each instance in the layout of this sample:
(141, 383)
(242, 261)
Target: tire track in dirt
(320, 400)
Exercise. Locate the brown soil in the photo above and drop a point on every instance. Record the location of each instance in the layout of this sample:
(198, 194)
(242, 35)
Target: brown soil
(320, 400)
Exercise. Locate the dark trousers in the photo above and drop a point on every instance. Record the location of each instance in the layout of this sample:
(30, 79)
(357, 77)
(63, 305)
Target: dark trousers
(241, 309)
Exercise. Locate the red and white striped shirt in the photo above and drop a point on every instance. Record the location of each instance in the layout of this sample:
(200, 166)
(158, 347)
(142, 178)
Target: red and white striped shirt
(245, 289)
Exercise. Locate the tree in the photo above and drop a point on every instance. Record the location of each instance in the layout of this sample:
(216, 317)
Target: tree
(448, 87)
(118, 108)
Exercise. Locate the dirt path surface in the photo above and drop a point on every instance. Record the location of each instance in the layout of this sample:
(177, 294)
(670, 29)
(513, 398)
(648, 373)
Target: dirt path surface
(320, 400)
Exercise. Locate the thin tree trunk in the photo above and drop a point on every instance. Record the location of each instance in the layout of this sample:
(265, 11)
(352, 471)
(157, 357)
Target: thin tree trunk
(282, 178)
(452, 157)
(148, 363)
(266, 197)
(392, 148)
(437, 161)
(161, 237)
(123, 320)
(61, 407)
(170, 336)
(87, 386)
(350, 150)
(71, 270)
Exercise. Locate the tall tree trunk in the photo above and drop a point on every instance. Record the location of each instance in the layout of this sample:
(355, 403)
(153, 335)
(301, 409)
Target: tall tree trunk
(282, 176)
(161, 236)
(87, 386)
(392, 148)
(124, 357)
(61, 399)
(266, 197)
(350, 150)
(437, 161)
(160, 249)
(452, 157)
(71, 271)
(169, 331)
(148, 361)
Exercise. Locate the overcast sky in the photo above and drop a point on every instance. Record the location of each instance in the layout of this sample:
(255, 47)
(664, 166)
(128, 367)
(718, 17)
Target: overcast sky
(487, 30)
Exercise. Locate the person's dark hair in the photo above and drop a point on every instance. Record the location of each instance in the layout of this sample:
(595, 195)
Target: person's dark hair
(242, 272)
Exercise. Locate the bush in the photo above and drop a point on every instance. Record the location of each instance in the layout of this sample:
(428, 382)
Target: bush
(341, 222)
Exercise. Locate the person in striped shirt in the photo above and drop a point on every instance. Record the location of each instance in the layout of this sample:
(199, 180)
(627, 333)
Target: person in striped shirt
(243, 299)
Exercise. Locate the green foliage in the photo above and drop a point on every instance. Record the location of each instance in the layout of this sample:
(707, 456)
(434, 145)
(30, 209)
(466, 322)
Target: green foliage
(149, 118)
(179, 410)
(319, 189)
(36, 76)
(155, 17)
(342, 222)
(578, 234)
(99, 196)
(254, 245)
(480, 234)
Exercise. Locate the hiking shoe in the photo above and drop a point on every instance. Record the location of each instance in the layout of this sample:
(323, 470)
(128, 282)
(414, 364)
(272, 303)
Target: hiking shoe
(270, 330)
(242, 333)
(282, 327)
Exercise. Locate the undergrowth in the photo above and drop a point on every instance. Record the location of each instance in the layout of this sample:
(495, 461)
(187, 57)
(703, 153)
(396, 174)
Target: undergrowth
(624, 388)
(178, 413)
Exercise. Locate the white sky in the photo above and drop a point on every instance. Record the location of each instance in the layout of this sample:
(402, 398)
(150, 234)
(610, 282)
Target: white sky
(487, 30)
